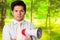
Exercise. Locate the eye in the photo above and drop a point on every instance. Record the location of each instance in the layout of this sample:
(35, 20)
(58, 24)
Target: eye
(16, 10)
(22, 10)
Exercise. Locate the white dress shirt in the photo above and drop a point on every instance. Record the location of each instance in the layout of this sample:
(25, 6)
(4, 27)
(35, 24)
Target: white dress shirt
(9, 30)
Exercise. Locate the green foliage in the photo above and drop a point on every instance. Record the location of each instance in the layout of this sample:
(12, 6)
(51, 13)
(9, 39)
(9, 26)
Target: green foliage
(39, 10)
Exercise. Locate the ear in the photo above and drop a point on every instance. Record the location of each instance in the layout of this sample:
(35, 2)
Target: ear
(12, 12)
(24, 13)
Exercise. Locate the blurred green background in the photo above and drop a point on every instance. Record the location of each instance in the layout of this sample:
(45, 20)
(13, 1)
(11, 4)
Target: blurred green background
(43, 14)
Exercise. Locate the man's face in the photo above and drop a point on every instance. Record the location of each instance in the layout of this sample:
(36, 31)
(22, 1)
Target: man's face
(18, 13)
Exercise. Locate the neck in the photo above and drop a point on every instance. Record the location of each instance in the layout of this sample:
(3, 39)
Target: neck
(19, 20)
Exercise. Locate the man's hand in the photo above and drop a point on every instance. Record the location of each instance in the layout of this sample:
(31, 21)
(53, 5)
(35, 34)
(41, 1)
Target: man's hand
(13, 39)
(28, 38)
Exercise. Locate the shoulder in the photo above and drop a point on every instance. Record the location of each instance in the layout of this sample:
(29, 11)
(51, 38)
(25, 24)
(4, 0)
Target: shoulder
(29, 24)
(7, 26)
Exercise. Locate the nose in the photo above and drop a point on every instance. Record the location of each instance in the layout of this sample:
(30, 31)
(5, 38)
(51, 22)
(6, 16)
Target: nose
(19, 12)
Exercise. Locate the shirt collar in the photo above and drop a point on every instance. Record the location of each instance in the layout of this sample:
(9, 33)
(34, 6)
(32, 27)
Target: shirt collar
(15, 21)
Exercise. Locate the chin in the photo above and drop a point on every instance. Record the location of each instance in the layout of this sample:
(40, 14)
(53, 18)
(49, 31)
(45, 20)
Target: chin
(19, 19)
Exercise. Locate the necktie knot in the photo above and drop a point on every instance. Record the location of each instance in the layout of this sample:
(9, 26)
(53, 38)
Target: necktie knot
(19, 24)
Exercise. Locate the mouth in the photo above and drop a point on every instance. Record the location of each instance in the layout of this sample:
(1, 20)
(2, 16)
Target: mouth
(18, 16)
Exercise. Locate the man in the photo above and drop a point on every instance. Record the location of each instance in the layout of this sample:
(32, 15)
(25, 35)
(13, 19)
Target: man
(10, 30)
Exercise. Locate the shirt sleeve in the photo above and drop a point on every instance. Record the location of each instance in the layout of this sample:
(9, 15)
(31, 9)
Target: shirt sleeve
(5, 33)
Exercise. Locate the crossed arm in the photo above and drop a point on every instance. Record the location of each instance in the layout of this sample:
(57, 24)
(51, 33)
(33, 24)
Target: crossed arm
(27, 38)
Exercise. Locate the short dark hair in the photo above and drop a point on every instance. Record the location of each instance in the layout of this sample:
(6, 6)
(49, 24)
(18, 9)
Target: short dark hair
(18, 3)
